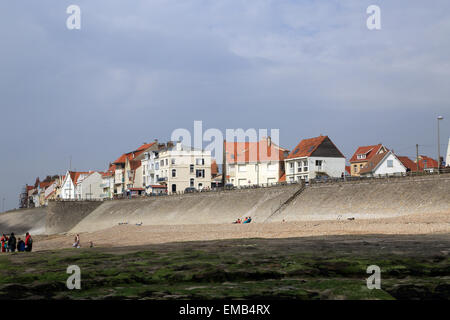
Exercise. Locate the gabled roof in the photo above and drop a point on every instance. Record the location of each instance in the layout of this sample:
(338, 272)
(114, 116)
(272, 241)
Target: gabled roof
(408, 163)
(427, 163)
(372, 164)
(133, 154)
(375, 161)
(245, 152)
(369, 151)
(306, 147)
(74, 176)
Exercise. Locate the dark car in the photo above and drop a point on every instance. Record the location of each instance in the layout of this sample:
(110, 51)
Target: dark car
(229, 186)
(190, 190)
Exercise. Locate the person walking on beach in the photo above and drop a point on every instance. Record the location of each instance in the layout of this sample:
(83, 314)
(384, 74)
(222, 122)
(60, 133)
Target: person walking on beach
(28, 242)
(12, 243)
(77, 241)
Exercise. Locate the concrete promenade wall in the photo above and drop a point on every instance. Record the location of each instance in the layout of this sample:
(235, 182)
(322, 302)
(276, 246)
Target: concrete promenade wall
(22, 221)
(378, 198)
(63, 215)
(359, 199)
(199, 208)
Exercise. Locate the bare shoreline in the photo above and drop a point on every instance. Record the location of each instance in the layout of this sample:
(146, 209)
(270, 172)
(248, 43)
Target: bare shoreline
(132, 235)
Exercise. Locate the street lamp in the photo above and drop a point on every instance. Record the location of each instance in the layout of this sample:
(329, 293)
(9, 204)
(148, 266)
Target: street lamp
(439, 143)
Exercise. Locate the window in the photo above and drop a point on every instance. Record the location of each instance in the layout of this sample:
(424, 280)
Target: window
(191, 167)
(242, 168)
(291, 165)
(318, 163)
(361, 156)
(299, 169)
(173, 160)
(191, 183)
(162, 163)
(167, 162)
(200, 161)
(305, 163)
(174, 188)
(390, 163)
(156, 166)
(174, 173)
(200, 173)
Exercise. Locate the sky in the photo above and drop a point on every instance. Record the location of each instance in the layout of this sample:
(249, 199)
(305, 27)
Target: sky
(138, 70)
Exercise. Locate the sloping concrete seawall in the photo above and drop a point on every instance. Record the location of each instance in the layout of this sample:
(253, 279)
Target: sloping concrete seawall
(199, 208)
(64, 215)
(379, 198)
(361, 199)
(22, 221)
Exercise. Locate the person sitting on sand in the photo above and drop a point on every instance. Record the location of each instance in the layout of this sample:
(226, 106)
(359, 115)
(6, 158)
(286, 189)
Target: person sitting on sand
(20, 245)
(77, 241)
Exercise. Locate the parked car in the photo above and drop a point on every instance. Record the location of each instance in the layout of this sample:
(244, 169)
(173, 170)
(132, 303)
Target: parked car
(190, 190)
(229, 186)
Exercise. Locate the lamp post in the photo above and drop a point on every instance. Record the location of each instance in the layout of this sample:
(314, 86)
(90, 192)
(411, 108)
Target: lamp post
(439, 143)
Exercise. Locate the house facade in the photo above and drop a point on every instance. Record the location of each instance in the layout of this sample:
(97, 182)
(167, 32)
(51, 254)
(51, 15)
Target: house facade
(254, 163)
(314, 157)
(127, 169)
(89, 187)
(69, 184)
(383, 164)
(363, 155)
(182, 167)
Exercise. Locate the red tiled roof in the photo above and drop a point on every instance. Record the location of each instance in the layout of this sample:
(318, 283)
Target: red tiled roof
(238, 152)
(408, 163)
(45, 184)
(214, 168)
(306, 147)
(145, 146)
(372, 163)
(369, 151)
(347, 168)
(133, 154)
(427, 163)
(283, 177)
(29, 188)
(76, 175)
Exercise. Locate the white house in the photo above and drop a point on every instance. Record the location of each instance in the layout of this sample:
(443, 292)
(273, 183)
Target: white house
(176, 168)
(314, 157)
(69, 184)
(383, 164)
(254, 163)
(89, 187)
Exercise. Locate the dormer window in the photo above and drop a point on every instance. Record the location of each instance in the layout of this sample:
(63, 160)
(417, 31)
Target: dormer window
(361, 156)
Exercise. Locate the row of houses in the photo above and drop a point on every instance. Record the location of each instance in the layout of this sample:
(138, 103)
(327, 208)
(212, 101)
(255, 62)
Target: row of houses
(168, 168)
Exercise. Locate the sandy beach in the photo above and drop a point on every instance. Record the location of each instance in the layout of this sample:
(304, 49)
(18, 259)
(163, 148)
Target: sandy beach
(133, 235)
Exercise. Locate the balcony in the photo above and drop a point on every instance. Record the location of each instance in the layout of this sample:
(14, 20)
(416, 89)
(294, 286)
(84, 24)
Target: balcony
(162, 179)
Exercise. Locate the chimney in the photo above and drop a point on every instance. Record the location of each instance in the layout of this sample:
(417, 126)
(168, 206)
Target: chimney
(269, 141)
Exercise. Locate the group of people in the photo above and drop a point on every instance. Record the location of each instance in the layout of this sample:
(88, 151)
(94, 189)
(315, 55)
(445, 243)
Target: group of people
(11, 244)
(246, 220)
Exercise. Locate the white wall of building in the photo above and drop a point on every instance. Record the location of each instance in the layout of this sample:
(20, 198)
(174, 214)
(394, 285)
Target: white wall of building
(90, 187)
(307, 167)
(245, 174)
(390, 165)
